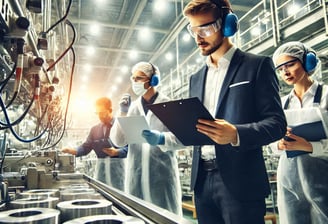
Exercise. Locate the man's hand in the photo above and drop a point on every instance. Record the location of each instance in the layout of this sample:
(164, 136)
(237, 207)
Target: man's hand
(220, 131)
(69, 150)
(112, 152)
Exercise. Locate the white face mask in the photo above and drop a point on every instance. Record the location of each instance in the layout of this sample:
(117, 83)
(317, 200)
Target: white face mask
(138, 88)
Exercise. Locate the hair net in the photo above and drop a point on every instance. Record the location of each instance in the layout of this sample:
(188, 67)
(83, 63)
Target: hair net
(145, 67)
(296, 49)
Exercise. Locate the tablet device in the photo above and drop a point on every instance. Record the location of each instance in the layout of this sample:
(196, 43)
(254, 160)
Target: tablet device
(180, 117)
(132, 127)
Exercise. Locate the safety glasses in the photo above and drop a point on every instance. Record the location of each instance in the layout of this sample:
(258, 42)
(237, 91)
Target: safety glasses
(286, 66)
(138, 78)
(204, 30)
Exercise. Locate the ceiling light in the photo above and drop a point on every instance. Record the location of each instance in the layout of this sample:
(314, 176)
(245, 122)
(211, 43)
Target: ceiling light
(90, 50)
(145, 34)
(160, 6)
(118, 79)
(169, 56)
(293, 9)
(114, 89)
(85, 78)
(124, 69)
(94, 29)
(133, 54)
(186, 37)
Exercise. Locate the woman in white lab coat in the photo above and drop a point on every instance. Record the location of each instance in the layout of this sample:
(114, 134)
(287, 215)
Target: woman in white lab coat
(151, 174)
(302, 180)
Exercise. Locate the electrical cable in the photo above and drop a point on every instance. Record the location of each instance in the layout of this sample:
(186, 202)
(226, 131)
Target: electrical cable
(10, 124)
(65, 52)
(67, 104)
(62, 19)
(70, 84)
(18, 70)
(20, 118)
(3, 107)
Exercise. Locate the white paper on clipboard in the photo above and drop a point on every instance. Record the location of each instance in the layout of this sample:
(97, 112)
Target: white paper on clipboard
(132, 127)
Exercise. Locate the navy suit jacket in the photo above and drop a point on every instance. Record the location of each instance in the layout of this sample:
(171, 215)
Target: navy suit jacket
(250, 100)
(96, 141)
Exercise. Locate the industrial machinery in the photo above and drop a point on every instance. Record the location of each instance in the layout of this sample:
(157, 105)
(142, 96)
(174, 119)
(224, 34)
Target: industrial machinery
(38, 183)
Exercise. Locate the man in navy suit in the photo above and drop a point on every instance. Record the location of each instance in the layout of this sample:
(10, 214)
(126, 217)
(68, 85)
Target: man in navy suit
(241, 91)
(110, 163)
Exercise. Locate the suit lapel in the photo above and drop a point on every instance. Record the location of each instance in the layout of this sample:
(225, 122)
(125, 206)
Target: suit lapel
(199, 84)
(231, 73)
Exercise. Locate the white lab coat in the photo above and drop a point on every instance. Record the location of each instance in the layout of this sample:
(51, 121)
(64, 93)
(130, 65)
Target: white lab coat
(302, 181)
(151, 174)
(111, 171)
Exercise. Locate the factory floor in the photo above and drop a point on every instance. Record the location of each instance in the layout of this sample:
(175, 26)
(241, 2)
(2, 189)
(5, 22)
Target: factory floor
(189, 216)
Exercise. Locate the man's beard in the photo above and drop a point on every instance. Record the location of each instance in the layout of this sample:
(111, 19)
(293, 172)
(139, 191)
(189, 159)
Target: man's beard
(212, 49)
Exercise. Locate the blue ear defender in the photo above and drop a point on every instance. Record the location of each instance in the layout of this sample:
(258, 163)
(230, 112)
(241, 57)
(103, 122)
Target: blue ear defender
(310, 61)
(154, 80)
(230, 25)
(230, 20)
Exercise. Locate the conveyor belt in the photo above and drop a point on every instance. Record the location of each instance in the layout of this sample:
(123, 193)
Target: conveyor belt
(99, 202)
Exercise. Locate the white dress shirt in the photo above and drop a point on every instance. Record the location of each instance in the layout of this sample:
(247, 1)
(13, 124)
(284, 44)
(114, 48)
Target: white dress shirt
(214, 80)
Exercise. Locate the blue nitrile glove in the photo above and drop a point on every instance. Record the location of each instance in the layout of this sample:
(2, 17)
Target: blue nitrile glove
(125, 102)
(153, 137)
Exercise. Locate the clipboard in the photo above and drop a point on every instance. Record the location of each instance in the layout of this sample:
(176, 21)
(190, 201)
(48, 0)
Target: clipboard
(180, 117)
(311, 131)
(309, 123)
(132, 127)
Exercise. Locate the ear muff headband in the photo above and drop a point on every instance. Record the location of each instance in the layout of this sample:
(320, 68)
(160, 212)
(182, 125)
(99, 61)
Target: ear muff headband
(154, 80)
(229, 20)
(310, 60)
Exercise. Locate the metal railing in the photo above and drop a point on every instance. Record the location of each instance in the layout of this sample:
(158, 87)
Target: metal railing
(263, 23)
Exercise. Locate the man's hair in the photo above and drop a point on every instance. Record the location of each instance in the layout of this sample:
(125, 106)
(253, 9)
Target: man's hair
(219, 8)
(105, 102)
